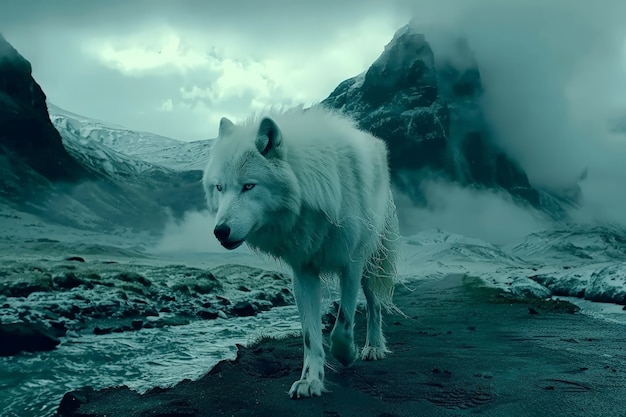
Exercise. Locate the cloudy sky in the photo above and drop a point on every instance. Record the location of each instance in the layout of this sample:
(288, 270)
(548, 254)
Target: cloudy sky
(554, 70)
(175, 67)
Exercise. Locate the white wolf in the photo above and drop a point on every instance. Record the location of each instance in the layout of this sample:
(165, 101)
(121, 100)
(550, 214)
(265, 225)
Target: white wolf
(309, 188)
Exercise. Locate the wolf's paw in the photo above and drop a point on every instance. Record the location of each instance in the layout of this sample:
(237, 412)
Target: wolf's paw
(305, 388)
(371, 353)
(344, 351)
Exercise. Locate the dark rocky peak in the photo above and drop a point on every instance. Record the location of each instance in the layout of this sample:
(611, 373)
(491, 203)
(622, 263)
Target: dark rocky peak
(25, 128)
(457, 70)
(9, 57)
(427, 108)
(406, 66)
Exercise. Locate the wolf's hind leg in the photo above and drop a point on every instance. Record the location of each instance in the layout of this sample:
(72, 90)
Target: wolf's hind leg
(375, 347)
(342, 336)
(306, 286)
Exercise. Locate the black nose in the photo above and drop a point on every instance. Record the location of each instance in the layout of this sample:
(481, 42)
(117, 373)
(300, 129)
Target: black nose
(221, 232)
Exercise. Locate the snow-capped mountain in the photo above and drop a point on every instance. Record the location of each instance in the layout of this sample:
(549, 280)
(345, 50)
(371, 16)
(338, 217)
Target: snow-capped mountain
(100, 157)
(71, 177)
(142, 147)
(427, 107)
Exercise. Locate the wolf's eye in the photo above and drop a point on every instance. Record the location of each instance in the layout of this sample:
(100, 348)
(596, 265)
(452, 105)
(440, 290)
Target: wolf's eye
(248, 187)
(218, 187)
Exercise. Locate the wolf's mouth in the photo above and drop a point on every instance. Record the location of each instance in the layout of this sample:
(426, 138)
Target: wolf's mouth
(232, 245)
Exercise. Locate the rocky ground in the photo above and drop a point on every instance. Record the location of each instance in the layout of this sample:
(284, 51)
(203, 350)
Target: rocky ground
(44, 301)
(461, 348)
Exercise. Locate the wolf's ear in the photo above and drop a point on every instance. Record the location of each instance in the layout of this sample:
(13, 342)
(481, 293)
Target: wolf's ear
(268, 138)
(226, 127)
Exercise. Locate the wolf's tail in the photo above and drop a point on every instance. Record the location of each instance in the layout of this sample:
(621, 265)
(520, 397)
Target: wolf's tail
(381, 271)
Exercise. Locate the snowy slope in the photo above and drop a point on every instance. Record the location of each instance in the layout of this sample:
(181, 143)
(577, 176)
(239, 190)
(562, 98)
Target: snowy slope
(100, 157)
(584, 262)
(140, 146)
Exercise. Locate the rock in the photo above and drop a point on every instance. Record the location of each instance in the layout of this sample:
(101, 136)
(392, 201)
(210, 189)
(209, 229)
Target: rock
(278, 300)
(207, 314)
(130, 311)
(102, 330)
(150, 313)
(67, 281)
(71, 313)
(223, 301)
(167, 298)
(25, 337)
(526, 287)
(136, 324)
(122, 329)
(243, 309)
(181, 288)
(30, 283)
(169, 321)
(608, 284)
(75, 259)
(205, 283)
(72, 401)
(134, 277)
(59, 328)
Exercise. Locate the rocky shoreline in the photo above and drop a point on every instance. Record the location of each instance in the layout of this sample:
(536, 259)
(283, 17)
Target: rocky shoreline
(47, 301)
(460, 347)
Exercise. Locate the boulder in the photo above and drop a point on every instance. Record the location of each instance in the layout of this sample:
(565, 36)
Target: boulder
(25, 337)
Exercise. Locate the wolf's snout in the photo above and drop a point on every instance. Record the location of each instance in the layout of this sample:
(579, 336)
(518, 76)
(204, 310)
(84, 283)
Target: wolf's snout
(222, 232)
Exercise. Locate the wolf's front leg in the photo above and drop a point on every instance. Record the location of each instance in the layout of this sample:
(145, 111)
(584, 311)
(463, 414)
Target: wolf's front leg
(306, 288)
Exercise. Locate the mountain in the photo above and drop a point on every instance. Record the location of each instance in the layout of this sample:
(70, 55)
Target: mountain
(142, 146)
(31, 150)
(65, 178)
(428, 110)
(159, 170)
(426, 107)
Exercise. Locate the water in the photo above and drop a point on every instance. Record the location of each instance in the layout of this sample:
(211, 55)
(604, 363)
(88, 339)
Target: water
(32, 385)
(603, 311)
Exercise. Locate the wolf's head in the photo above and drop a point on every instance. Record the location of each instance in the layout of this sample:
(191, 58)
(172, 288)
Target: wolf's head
(248, 183)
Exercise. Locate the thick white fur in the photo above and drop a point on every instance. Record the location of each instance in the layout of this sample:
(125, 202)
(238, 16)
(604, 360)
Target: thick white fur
(321, 201)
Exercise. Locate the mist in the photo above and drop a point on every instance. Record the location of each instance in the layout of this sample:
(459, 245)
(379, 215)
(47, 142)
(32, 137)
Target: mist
(489, 215)
(554, 74)
(192, 233)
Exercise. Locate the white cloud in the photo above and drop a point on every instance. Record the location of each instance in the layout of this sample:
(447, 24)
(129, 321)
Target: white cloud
(166, 105)
(154, 50)
(195, 92)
